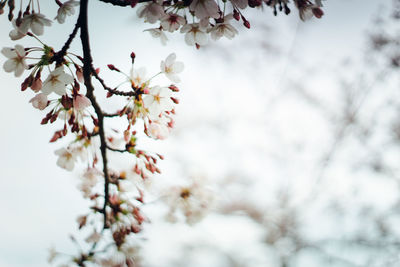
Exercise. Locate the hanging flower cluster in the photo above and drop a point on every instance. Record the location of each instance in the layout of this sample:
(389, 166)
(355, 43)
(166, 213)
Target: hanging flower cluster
(199, 18)
(196, 19)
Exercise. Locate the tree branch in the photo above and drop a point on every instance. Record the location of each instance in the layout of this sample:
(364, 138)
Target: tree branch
(112, 91)
(123, 2)
(87, 72)
(59, 56)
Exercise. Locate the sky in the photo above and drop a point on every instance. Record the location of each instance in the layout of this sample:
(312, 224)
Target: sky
(227, 91)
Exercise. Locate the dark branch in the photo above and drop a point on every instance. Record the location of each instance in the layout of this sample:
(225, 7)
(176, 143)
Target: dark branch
(110, 115)
(117, 150)
(112, 91)
(87, 73)
(59, 56)
(123, 2)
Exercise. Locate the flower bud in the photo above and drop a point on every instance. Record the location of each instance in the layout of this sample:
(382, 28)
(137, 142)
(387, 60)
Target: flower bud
(27, 83)
(175, 100)
(173, 88)
(318, 13)
(236, 15)
(246, 23)
(36, 85)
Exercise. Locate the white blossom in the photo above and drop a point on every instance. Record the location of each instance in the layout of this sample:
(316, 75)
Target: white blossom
(16, 33)
(158, 130)
(151, 12)
(223, 29)
(158, 100)
(39, 101)
(204, 9)
(16, 60)
(137, 77)
(66, 159)
(158, 33)
(171, 22)
(67, 9)
(35, 22)
(194, 34)
(57, 82)
(170, 68)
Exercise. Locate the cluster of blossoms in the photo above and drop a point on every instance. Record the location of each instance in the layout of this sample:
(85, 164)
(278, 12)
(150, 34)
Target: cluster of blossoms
(199, 18)
(195, 18)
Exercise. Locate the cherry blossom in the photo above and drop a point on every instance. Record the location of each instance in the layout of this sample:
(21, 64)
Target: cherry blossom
(39, 101)
(57, 81)
(66, 9)
(223, 29)
(66, 159)
(35, 22)
(16, 60)
(16, 33)
(81, 102)
(204, 9)
(158, 100)
(170, 67)
(158, 33)
(151, 12)
(194, 34)
(171, 22)
(158, 130)
(137, 77)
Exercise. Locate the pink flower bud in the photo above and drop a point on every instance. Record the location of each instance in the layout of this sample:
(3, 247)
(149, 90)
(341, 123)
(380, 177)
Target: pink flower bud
(236, 15)
(173, 88)
(133, 3)
(175, 100)
(318, 13)
(246, 23)
(36, 85)
(79, 74)
(112, 67)
(27, 83)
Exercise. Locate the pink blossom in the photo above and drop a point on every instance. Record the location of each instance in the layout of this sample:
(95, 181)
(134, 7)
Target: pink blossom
(39, 101)
(81, 102)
